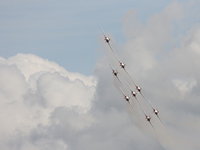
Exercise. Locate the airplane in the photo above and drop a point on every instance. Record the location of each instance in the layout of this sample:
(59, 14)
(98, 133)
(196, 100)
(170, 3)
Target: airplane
(115, 72)
(155, 111)
(138, 88)
(122, 65)
(133, 93)
(127, 98)
(106, 38)
(149, 120)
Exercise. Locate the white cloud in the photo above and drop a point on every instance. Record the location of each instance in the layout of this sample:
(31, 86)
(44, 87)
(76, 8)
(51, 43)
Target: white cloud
(31, 88)
(31, 64)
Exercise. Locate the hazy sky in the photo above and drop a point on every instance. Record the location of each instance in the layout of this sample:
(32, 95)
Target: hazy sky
(66, 32)
(57, 90)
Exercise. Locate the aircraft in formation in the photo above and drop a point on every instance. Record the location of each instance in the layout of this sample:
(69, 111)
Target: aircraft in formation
(138, 89)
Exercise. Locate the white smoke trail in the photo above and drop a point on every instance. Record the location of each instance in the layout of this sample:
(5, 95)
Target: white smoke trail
(115, 61)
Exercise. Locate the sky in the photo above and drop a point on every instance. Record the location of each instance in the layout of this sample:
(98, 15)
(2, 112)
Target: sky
(66, 32)
(57, 90)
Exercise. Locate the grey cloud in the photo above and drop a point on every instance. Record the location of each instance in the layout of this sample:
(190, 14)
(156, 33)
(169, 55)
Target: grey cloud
(169, 77)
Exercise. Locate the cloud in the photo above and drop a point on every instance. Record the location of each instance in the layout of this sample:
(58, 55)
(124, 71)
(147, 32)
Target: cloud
(45, 107)
(168, 74)
(31, 90)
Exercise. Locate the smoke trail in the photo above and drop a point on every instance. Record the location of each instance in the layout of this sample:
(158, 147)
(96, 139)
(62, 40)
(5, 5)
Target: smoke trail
(122, 71)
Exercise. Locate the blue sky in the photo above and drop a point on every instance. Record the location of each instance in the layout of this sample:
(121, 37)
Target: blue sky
(66, 32)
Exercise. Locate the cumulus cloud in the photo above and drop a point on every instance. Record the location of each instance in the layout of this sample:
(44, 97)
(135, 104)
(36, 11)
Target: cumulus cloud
(31, 90)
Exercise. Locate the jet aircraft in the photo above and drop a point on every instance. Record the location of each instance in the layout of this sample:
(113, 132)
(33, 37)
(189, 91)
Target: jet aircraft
(106, 38)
